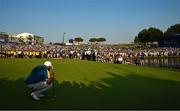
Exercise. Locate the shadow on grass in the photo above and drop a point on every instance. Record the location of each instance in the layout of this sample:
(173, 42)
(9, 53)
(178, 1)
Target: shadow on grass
(130, 92)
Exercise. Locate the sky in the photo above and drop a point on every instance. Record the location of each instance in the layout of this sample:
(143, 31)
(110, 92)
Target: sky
(119, 21)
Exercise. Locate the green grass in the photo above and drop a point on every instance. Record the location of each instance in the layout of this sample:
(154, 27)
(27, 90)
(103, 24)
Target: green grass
(91, 85)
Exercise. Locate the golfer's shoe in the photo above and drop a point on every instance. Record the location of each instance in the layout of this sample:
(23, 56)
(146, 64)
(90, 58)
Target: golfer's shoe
(34, 96)
(40, 95)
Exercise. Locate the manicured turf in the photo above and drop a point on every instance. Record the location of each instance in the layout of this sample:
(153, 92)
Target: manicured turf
(91, 85)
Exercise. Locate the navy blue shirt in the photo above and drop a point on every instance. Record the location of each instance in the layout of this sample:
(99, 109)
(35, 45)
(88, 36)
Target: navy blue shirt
(38, 74)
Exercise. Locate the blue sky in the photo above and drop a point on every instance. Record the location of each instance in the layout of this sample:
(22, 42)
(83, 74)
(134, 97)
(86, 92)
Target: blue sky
(119, 21)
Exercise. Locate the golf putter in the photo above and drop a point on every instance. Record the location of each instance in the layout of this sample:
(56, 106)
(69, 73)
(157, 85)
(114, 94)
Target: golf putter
(54, 95)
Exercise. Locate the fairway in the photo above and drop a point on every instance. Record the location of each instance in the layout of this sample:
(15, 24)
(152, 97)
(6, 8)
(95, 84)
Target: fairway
(91, 85)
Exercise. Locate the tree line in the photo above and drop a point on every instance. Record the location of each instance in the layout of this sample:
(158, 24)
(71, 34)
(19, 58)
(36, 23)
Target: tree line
(92, 40)
(155, 35)
(149, 35)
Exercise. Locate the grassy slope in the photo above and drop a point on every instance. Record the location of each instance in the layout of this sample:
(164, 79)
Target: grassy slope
(90, 85)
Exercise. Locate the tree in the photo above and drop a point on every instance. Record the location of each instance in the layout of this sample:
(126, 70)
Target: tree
(101, 39)
(50, 43)
(92, 40)
(78, 39)
(154, 34)
(175, 29)
(136, 39)
(149, 35)
(142, 36)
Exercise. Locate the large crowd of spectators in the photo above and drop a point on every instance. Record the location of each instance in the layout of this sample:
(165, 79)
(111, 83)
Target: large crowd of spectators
(98, 53)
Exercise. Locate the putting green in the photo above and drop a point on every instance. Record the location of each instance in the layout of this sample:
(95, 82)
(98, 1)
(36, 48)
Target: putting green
(91, 85)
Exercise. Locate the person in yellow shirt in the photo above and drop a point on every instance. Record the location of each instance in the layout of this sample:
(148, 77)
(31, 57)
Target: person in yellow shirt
(37, 54)
(14, 53)
(34, 54)
(30, 54)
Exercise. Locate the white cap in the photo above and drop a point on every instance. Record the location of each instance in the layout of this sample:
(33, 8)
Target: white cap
(47, 63)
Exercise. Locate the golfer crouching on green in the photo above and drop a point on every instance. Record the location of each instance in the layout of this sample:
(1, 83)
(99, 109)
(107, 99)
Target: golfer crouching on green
(40, 79)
